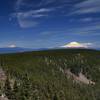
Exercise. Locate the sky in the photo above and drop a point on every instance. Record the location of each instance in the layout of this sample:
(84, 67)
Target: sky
(49, 23)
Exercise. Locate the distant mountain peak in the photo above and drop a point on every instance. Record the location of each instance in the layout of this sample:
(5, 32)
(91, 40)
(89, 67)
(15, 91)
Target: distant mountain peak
(12, 46)
(76, 45)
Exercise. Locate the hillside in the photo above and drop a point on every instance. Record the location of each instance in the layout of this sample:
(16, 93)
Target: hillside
(62, 74)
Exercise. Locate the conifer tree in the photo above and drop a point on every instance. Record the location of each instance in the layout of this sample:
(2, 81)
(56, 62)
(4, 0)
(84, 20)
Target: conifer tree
(55, 97)
(25, 88)
(16, 91)
(7, 89)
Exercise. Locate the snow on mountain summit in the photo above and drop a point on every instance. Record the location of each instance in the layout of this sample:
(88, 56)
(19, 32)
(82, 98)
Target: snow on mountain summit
(76, 45)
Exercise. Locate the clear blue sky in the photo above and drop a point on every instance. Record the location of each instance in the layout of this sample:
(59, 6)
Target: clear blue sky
(49, 23)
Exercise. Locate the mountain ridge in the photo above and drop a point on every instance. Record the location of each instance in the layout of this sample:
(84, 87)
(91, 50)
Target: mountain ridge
(5, 50)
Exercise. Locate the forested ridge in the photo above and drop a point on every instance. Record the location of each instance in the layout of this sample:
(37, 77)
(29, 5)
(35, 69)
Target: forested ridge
(51, 75)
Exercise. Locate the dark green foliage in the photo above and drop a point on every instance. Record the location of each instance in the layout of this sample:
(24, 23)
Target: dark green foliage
(16, 91)
(55, 97)
(25, 88)
(7, 89)
(41, 75)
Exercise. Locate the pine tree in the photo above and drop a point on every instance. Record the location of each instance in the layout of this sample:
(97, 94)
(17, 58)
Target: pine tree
(0, 90)
(7, 89)
(55, 97)
(16, 91)
(25, 88)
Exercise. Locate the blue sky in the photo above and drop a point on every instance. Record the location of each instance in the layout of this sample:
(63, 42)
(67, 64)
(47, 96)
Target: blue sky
(49, 23)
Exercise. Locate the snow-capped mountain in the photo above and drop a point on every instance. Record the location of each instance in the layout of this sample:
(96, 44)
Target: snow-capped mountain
(76, 45)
